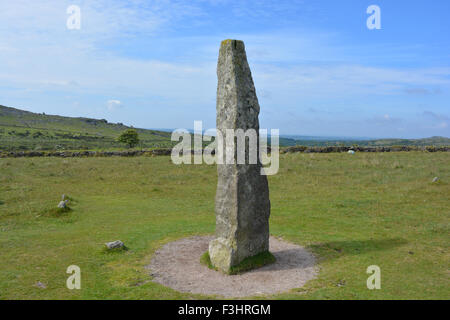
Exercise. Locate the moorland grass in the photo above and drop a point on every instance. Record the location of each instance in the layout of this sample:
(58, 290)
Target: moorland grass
(351, 211)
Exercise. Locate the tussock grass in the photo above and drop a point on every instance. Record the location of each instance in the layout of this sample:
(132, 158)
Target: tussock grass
(205, 259)
(123, 249)
(56, 212)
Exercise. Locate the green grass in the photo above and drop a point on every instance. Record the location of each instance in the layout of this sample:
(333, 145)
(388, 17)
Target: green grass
(350, 211)
(56, 212)
(114, 250)
(205, 259)
(254, 262)
(23, 130)
(250, 263)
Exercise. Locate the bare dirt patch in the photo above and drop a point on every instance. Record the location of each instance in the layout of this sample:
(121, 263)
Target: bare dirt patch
(177, 265)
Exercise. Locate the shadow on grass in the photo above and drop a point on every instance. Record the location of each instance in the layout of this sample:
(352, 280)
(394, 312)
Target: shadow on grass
(119, 250)
(288, 259)
(335, 249)
(299, 258)
(56, 212)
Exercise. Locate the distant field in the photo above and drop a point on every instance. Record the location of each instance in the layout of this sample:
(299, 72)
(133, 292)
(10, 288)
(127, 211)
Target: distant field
(432, 141)
(351, 211)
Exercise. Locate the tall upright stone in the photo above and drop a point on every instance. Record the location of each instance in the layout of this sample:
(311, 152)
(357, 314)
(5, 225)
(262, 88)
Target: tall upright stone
(242, 198)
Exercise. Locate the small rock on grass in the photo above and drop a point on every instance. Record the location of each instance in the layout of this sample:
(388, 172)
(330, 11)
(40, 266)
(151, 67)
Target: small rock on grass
(63, 204)
(114, 244)
(435, 179)
(40, 285)
(341, 283)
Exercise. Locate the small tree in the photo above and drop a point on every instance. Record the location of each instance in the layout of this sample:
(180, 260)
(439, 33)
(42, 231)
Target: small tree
(129, 137)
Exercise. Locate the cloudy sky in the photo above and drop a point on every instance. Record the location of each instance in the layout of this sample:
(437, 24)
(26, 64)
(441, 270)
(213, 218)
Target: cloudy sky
(317, 68)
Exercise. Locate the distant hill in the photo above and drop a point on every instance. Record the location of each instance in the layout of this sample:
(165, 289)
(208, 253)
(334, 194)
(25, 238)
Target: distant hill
(24, 130)
(433, 141)
(324, 138)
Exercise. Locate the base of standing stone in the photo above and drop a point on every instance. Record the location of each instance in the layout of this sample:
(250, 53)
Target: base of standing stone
(227, 256)
(260, 260)
(221, 252)
(177, 265)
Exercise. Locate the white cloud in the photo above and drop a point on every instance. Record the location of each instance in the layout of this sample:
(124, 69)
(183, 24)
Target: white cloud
(38, 53)
(342, 80)
(442, 125)
(436, 121)
(41, 53)
(435, 116)
(113, 105)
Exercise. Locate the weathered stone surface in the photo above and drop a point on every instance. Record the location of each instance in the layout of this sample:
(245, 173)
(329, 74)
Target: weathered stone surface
(114, 244)
(63, 204)
(242, 198)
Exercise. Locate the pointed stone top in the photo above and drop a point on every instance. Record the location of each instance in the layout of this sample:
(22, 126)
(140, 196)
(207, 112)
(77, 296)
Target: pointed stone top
(234, 43)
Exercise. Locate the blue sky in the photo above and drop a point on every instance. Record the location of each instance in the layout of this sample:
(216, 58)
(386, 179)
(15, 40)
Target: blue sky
(317, 68)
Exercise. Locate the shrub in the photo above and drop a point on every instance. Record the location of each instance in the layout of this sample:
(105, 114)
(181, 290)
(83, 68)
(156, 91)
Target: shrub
(129, 137)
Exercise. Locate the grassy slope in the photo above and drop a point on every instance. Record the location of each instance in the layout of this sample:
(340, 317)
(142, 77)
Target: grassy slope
(352, 211)
(66, 132)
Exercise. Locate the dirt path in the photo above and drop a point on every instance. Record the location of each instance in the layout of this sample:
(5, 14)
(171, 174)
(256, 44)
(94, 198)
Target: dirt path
(177, 265)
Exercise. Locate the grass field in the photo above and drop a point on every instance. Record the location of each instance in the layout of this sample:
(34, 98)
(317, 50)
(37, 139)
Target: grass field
(352, 211)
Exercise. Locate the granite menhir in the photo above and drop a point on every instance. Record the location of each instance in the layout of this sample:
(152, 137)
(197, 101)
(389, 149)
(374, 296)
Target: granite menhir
(242, 198)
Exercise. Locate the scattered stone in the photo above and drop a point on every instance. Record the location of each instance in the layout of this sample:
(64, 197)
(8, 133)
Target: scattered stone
(341, 283)
(351, 151)
(40, 285)
(242, 197)
(436, 179)
(114, 244)
(63, 204)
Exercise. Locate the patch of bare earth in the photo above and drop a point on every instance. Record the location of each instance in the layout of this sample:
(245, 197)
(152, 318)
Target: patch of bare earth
(177, 265)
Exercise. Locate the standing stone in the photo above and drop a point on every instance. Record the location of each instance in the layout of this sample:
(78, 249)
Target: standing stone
(242, 198)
